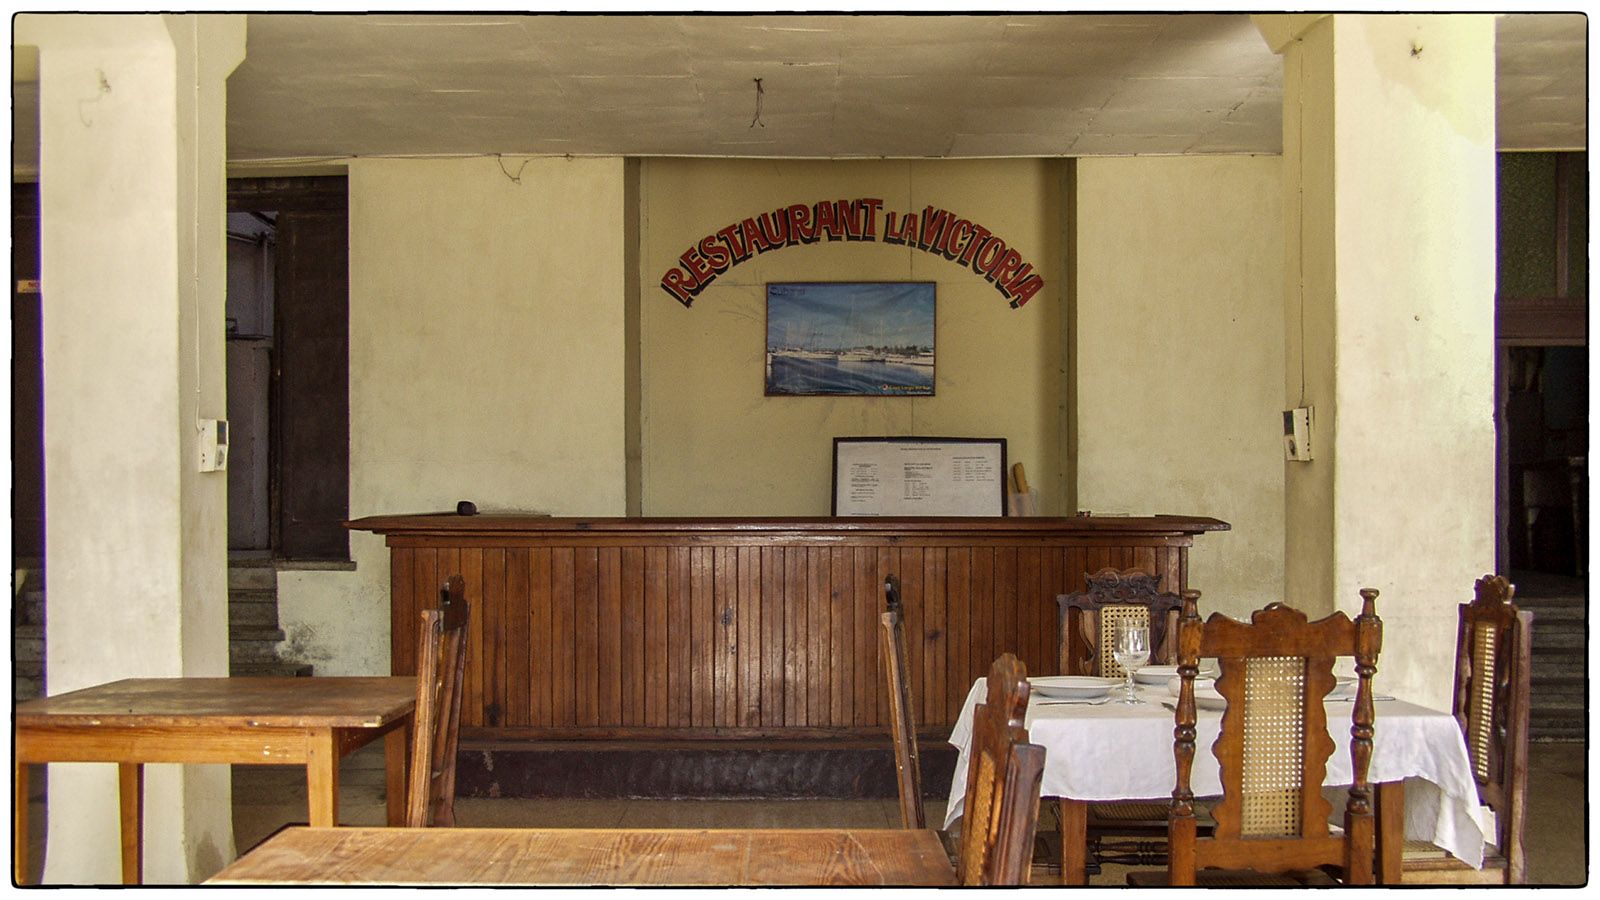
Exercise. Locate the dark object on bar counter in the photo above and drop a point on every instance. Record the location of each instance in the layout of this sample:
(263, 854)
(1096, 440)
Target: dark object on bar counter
(466, 508)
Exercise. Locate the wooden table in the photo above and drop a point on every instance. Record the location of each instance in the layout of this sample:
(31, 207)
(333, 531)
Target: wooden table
(526, 856)
(311, 722)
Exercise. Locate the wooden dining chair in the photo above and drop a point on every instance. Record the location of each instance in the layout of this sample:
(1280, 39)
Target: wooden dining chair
(1272, 820)
(441, 661)
(1087, 620)
(1000, 811)
(1127, 832)
(902, 721)
(1494, 641)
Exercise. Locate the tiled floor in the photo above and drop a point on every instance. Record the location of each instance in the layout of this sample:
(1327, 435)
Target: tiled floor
(266, 798)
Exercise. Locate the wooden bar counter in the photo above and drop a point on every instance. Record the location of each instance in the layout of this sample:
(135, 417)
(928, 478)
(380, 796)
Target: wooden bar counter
(669, 629)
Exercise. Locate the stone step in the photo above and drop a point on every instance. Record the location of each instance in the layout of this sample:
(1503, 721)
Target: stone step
(252, 609)
(1557, 639)
(252, 576)
(29, 608)
(273, 667)
(27, 687)
(254, 644)
(27, 645)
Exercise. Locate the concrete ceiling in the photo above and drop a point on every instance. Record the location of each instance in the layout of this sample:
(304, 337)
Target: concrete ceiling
(332, 86)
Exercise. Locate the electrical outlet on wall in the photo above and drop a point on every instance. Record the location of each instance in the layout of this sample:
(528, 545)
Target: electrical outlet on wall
(1297, 434)
(213, 445)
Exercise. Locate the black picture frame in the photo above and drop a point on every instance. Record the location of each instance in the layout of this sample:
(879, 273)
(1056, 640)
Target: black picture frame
(850, 339)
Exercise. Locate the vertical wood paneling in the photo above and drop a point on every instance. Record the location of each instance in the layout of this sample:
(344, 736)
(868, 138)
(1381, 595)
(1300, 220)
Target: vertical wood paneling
(910, 572)
(516, 619)
(1077, 569)
(868, 601)
(749, 638)
(934, 640)
(563, 636)
(983, 612)
(725, 593)
(540, 655)
(741, 637)
(1029, 637)
(494, 636)
(1096, 558)
(402, 630)
(1005, 606)
(818, 662)
(1052, 584)
(656, 636)
(472, 689)
(608, 623)
(958, 588)
(700, 638)
(841, 637)
(680, 615)
(794, 636)
(772, 636)
(1144, 559)
(586, 637)
(633, 636)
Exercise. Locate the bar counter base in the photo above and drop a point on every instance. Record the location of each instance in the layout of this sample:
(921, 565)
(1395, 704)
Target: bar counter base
(693, 770)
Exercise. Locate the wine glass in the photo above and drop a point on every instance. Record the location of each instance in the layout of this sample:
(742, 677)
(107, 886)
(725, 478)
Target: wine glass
(1131, 651)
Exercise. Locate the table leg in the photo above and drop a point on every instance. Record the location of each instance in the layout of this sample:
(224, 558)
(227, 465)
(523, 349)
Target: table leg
(130, 787)
(19, 823)
(322, 778)
(1390, 809)
(396, 744)
(1074, 841)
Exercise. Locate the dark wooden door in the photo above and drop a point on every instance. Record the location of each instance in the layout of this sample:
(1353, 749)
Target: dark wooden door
(310, 418)
(27, 379)
(311, 384)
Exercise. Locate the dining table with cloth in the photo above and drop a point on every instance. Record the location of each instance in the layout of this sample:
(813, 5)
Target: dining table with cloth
(1109, 750)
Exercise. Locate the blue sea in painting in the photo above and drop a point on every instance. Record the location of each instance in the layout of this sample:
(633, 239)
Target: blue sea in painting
(792, 374)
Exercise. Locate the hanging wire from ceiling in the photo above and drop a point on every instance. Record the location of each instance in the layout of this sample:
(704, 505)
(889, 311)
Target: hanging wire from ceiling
(517, 178)
(757, 119)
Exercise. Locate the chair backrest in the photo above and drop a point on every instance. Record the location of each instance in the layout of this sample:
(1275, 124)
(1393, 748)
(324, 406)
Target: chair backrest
(441, 660)
(1087, 620)
(1001, 806)
(902, 724)
(1494, 644)
(1274, 746)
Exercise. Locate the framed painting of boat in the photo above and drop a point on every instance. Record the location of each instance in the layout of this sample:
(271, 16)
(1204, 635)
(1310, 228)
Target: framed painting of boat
(850, 339)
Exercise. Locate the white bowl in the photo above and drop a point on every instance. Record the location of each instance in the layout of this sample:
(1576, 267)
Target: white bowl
(1070, 687)
(1163, 674)
(1205, 692)
(1344, 686)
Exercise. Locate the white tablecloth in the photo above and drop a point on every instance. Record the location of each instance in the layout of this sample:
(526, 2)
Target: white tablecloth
(1122, 752)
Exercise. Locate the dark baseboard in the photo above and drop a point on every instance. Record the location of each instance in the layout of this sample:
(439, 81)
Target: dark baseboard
(765, 770)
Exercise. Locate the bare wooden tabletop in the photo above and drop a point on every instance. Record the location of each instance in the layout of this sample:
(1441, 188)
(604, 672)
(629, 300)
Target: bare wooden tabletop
(285, 702)
(520, 856)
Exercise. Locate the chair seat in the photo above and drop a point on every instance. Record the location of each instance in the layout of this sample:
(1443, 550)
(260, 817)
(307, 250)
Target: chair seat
(1424, 863)
(1225, 878)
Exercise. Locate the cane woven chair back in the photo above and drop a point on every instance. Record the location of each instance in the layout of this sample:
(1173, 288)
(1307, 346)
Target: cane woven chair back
(1274, 744)
(902, 722)
(1001, 807)
(1088, 619)
(441, 662)
(1493, 670)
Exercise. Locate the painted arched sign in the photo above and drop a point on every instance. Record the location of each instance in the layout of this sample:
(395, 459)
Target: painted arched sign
(934, 230)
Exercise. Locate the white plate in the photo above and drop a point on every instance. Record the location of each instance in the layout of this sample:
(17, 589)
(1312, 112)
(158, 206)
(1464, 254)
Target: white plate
(1163, 674)
(1205, 693)
(1070, 687)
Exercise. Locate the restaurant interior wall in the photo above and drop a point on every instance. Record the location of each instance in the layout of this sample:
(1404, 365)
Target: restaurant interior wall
(486, 364)
(1179, 359)
(714, 445)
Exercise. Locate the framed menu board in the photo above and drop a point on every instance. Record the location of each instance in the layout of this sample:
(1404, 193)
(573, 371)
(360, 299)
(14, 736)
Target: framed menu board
(921, 476)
